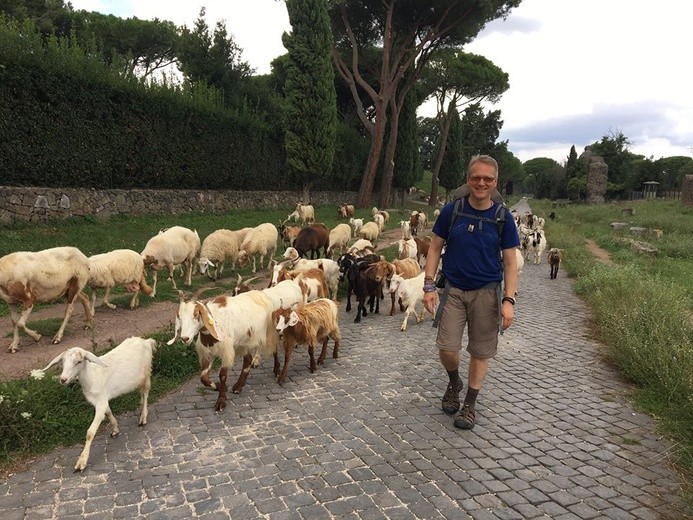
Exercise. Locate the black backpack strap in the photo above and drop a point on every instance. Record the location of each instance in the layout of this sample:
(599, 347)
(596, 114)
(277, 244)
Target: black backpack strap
(498, 219)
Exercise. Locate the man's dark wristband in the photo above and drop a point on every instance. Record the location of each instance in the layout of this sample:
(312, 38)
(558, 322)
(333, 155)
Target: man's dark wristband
(429, 287)
(508, 299)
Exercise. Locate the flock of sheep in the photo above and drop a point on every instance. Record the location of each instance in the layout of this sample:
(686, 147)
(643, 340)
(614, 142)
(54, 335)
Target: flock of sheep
(298, 307)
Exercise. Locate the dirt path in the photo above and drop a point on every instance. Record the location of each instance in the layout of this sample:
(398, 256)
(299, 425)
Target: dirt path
(600, 254)
(110, 328)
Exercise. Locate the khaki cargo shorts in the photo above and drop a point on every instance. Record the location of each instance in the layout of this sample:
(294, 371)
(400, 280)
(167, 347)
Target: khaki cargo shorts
(476, 310)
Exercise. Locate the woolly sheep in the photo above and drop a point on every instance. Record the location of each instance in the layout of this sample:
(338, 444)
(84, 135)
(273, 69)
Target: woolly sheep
(369, 231)
(380, 220)
(218, 246)
(171, 247)
(119, 267)
(43, 276)
(125, 368)
(260, 241)
(339, 238)
(362, 247)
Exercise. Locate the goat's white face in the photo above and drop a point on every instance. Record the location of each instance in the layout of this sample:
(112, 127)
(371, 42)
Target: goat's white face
(74, 360)
(275, 275)
(283, 323)
(72, 365)
(188, 322)
(395, 283)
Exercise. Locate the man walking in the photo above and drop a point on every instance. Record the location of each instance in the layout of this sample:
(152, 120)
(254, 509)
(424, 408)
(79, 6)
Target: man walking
(479, 249)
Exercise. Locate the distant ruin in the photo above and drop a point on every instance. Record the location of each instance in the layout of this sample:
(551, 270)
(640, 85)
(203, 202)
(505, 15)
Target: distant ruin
(597, 175)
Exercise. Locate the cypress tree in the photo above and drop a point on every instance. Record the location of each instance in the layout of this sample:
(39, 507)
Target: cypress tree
(311, 106)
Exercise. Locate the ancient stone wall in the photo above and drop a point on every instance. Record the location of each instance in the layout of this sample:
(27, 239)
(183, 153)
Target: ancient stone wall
(25, 204)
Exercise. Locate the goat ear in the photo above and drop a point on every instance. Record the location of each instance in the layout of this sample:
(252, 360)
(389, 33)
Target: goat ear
(57, 359)
(293, 319)
(209, 323)
(94, 359)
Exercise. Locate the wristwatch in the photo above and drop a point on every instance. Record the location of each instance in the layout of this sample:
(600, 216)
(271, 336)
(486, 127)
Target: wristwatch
(508, 299)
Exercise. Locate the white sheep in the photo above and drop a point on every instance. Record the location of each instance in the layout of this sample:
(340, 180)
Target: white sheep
(357, 223)
(125, 368)
(217, 247)
(369, 231)
(43, 276)
(410, 291)
(339, 238)
(260, 241)
(380, 220)
(361, 247)
(118, 267)
(171, 247)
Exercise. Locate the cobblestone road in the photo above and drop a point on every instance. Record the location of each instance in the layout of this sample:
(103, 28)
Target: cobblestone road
(364, 437)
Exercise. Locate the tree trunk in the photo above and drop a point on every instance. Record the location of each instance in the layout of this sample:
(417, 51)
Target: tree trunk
(363, 199)
(447, 121)
(389, 173)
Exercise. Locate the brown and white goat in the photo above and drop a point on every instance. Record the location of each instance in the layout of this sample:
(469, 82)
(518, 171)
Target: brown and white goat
(225, 327)
(384, 270)
(312, 281)
(311, 324)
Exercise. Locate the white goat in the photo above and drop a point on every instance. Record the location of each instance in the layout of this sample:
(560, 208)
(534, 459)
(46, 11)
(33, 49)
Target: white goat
(225, 327)
(218, 246)
(406, 248)
(357, 223)
(43, 276)
(410, 291)
(339, 238)
(535, 243)
(119, 267)
(260, 241)
(125, 368)
(171, 247)
(406, 229)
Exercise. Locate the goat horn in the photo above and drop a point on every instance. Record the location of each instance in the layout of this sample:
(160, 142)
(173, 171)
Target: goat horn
(196, 295)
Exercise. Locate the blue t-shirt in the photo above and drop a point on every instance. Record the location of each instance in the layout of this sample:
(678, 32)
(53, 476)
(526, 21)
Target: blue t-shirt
(472, 259)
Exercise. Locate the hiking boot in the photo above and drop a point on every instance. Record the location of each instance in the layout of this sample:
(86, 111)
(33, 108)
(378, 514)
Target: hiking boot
(465, 419)
(451, 398)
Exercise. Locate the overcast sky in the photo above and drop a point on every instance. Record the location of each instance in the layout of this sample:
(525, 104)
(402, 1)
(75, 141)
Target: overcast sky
(579, 69)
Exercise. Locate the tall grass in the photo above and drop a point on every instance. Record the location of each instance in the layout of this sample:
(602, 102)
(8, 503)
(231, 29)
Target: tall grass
(642, 305)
